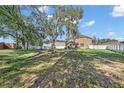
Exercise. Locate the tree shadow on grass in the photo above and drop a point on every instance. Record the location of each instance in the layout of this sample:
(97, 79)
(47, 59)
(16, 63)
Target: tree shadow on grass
(70, 69)
(5, 57)
(73, 69)
(22, 52)
(8, 55)
(113, 56)
(20, 66)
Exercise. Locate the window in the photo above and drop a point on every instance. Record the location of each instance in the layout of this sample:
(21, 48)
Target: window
(82, 44)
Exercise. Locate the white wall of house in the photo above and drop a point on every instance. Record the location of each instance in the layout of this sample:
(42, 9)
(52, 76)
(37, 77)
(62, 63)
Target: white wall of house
(59, 45)
(33, 47)
(46, 46)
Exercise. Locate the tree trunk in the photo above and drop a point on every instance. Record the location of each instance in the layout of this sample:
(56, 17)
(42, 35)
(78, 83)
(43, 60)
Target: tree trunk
(27, 45)
(53, 45)
(17, 43)
(23, 44)
(74, 43)
(66, 44)
(67, 40)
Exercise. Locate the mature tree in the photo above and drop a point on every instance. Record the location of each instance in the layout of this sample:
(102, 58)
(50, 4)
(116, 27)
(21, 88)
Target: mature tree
(20, 27)
(38, 26)
(95, 41)
(9, 17)
(64, 17)
(55, 24)
(73, 15)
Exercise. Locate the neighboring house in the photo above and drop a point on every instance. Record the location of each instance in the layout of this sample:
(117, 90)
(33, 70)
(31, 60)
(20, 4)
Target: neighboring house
(122, 42)
(7, 45)
(111, 42)
(83, 41)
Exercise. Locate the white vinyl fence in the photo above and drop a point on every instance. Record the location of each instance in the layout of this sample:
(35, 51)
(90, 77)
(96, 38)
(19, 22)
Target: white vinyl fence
(46, 46)
(119, 47)
(98, 46)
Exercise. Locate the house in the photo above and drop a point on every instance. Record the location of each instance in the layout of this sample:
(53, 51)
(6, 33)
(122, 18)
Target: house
(7, 45)
(122, 42)
(82, 41)
(111, 42)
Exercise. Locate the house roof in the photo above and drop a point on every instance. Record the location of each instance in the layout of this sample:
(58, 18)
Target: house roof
(6, 43)
(83, 36)
(60, 40)
(122, 42)
(1, 42)
(80, 36)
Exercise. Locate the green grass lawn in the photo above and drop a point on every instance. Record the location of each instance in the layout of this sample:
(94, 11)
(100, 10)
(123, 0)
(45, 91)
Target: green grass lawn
(79, 68)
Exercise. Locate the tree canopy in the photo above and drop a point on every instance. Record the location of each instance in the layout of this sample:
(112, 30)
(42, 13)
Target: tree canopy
(39, 25)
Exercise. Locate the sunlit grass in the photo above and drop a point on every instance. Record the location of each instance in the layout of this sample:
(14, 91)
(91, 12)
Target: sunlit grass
(73, 68)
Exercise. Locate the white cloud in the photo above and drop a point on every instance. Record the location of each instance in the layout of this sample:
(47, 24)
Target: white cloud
(111, 34)
(43, 8)
(118, 11)
(120, 38)
(50, 16)
(89, 24)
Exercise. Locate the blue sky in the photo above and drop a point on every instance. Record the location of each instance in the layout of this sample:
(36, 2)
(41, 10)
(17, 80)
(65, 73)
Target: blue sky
(105, 22)
(99, 21)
